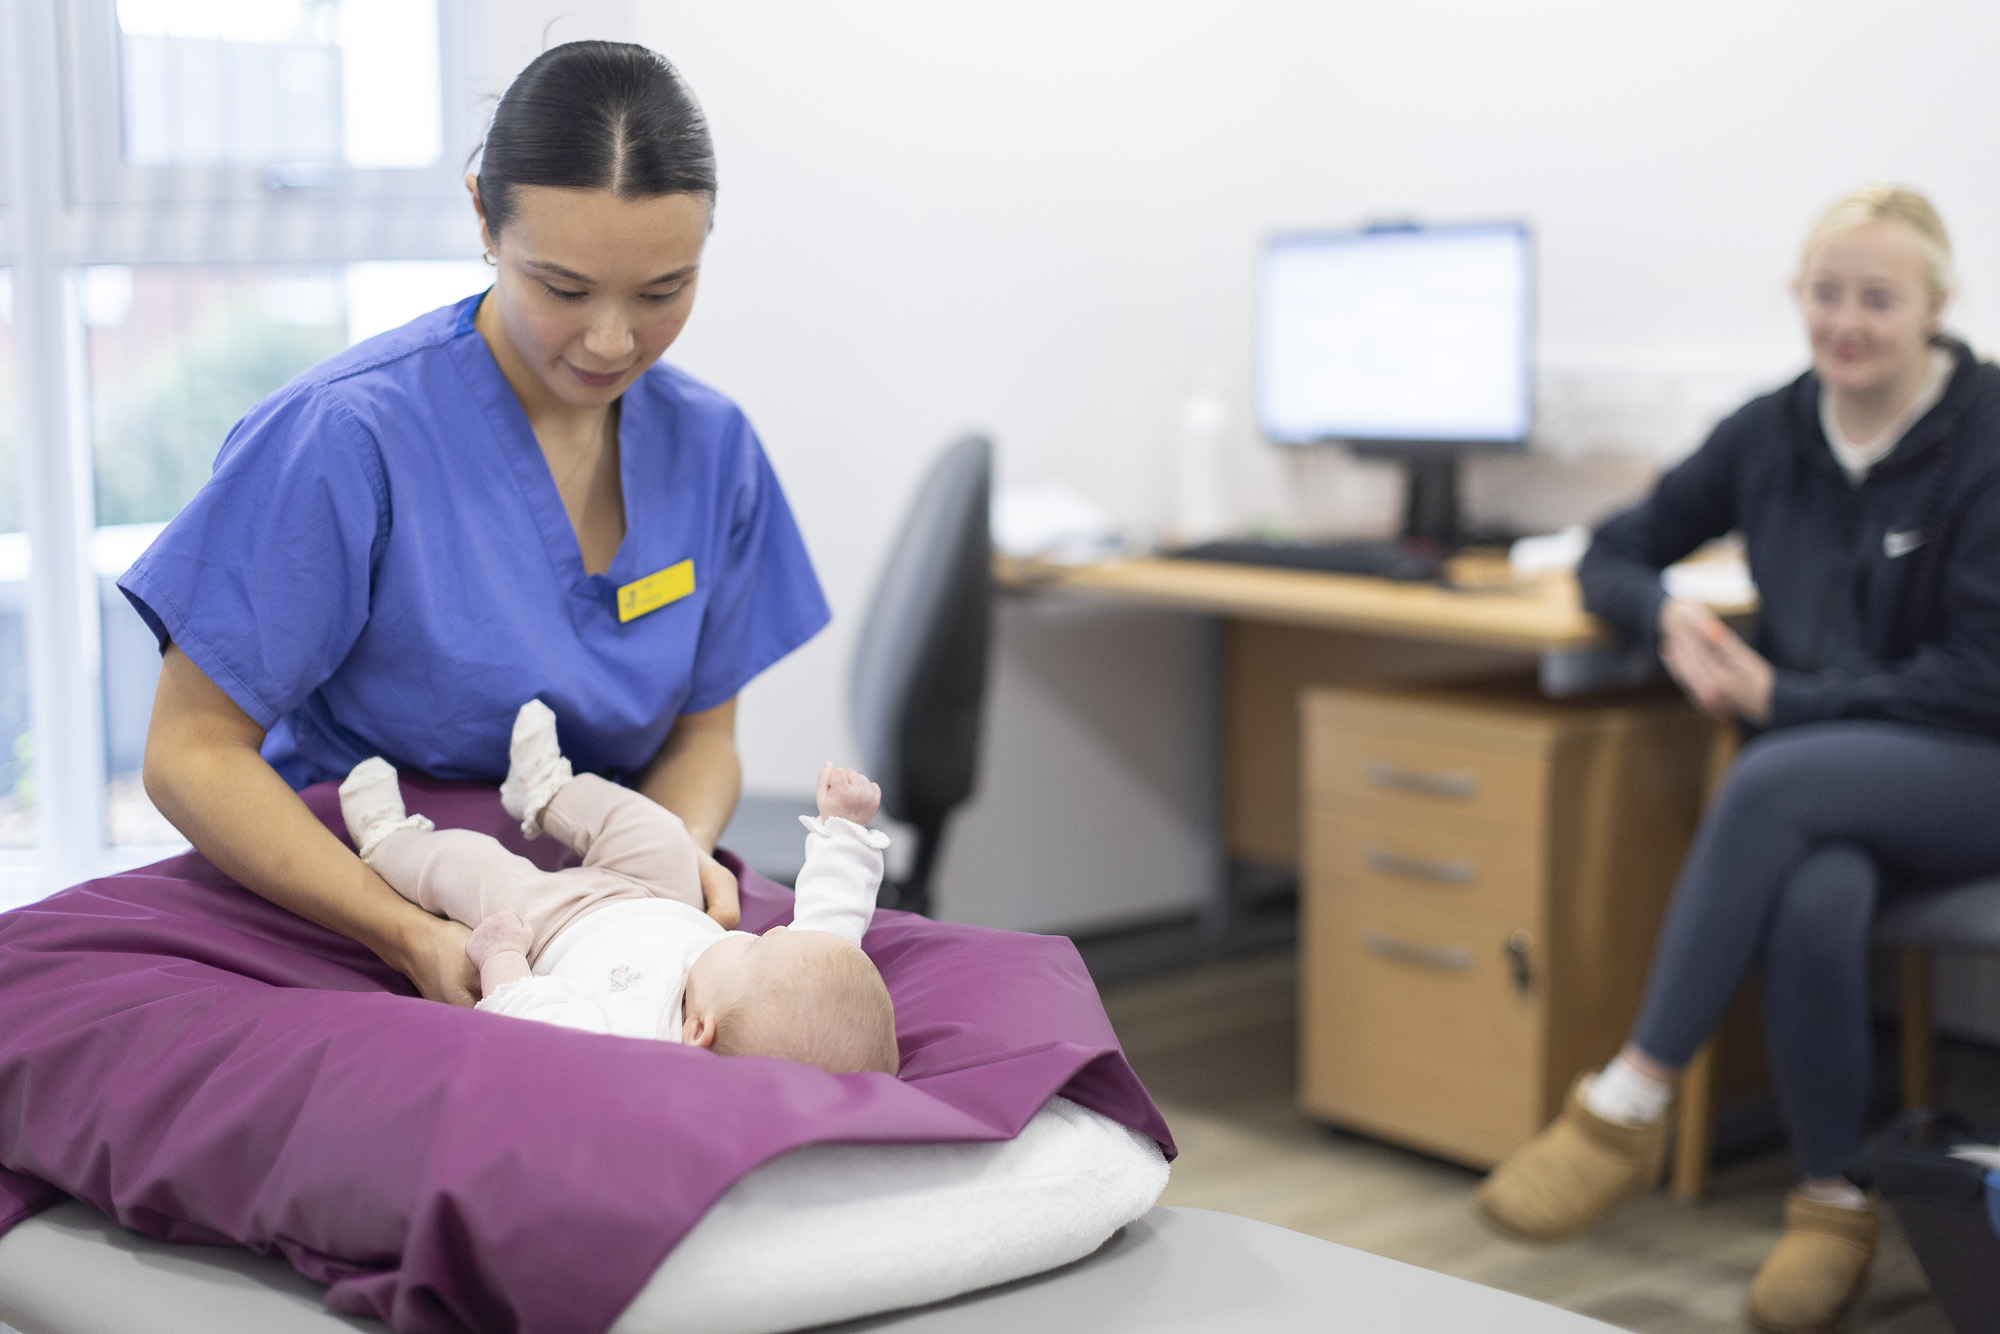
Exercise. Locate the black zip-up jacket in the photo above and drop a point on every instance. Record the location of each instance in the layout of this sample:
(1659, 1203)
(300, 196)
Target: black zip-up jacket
(1877, 601)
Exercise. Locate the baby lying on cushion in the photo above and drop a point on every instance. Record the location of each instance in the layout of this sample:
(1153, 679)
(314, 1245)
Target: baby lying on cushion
(620, 944)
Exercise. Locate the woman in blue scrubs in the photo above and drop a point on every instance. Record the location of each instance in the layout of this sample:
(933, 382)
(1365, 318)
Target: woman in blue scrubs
(503, 500)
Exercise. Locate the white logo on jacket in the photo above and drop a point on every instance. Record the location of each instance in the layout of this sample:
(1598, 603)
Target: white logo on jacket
(1896, 544)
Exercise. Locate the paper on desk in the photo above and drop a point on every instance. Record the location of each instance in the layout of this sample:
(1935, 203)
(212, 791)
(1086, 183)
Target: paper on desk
(1718, 581)
(1548, 552)
(1052, 521)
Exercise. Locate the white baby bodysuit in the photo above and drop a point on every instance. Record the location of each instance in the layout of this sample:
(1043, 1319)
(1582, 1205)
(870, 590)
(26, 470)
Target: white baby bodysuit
(623, 968)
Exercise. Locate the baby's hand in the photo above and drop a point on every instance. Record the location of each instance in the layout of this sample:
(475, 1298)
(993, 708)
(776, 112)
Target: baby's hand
(847, 794)
(498, 934)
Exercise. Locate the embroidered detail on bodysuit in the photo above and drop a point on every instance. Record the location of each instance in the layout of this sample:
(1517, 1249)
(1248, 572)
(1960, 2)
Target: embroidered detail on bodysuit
(623, 977)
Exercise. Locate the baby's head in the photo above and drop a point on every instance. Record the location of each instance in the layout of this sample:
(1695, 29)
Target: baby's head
(805, 996)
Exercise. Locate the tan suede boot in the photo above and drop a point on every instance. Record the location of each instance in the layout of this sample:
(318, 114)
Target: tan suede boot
(1819, 1267)
(1575, 1172)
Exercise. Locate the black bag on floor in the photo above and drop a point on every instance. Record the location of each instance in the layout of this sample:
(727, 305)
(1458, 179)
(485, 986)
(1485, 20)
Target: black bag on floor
(1931, 1170)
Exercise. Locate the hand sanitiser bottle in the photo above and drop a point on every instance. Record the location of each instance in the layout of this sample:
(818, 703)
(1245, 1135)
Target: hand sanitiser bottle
(1200, 482)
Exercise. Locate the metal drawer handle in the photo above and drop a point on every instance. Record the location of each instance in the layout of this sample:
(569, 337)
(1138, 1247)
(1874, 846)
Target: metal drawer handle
(1444, 958)
(1439, 871)
(1520, 945)
(1459, 784)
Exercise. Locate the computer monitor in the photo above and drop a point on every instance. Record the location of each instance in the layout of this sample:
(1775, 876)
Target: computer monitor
(1403, 342)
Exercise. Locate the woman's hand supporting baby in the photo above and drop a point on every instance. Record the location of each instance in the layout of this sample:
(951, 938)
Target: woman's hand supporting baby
(847, 794)
(697, 776)
(206, 773)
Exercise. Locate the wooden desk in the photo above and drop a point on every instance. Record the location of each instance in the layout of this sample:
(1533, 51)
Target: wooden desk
(1286, 631)
(1546, 616)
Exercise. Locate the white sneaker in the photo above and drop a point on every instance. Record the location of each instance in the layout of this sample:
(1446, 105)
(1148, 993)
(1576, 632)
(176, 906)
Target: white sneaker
(536, 769)
(371, 802)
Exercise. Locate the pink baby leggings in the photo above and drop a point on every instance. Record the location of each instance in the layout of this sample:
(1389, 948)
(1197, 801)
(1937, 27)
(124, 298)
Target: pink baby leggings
(632, 848)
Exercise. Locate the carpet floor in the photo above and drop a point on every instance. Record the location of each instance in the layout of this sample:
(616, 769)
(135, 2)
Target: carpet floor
(1216, 1045)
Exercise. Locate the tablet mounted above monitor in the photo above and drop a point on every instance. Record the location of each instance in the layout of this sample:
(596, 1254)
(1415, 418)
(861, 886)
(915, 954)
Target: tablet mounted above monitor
(1400, 342)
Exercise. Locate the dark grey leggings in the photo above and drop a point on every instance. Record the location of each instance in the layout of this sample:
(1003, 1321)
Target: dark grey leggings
(1785, 872)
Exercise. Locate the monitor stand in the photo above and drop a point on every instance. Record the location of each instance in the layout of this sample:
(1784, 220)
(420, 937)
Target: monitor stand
(1430, 505)
(1433, 523)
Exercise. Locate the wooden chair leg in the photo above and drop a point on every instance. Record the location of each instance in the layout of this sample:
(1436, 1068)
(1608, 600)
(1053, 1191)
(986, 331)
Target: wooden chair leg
(1694, 1131)
(1723, 744)
(1919, 1005)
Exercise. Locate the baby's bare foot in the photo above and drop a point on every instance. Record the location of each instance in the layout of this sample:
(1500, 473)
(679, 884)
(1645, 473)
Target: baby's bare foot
(498, 934)
(847, 794)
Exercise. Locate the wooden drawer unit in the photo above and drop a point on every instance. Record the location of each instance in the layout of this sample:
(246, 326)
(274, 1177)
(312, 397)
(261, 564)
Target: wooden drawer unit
(1484, 873)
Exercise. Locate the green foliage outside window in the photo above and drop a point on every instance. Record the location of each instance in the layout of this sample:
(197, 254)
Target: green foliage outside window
(157, 434)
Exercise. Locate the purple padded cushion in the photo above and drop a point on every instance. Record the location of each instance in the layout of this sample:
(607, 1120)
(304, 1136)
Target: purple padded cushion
(205, 1067)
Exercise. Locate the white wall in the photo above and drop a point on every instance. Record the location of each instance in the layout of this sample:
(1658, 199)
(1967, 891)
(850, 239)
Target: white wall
(513, 32)
(1096, 806)
(1041, 216)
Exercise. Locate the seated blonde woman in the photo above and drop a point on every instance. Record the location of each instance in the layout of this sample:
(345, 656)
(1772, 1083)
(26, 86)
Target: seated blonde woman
(1868, 494)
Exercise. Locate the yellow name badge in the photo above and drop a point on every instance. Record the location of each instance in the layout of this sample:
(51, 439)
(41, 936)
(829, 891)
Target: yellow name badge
(655, 591)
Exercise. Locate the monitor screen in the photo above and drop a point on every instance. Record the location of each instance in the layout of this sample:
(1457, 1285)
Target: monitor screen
(1396, 334)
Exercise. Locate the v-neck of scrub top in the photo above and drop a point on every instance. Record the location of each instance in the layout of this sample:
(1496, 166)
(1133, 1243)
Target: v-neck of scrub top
(530, 466)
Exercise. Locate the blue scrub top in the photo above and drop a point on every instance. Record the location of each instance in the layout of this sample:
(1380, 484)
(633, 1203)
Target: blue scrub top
(381, 565)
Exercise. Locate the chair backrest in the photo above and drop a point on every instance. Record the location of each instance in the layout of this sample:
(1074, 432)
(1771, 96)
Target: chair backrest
(919, 673)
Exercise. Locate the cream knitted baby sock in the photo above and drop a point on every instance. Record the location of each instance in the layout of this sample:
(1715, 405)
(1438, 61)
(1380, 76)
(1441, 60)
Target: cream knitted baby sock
(371, 802)
(536, 769)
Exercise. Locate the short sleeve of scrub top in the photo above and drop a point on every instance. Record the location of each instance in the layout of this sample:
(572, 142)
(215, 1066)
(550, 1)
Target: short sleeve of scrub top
(381, 565)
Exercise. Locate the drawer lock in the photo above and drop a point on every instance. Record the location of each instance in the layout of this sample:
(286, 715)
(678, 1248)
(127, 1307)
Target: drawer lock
(1459, 784)
(1444, 958)
(1438, 870)
(1520, 943)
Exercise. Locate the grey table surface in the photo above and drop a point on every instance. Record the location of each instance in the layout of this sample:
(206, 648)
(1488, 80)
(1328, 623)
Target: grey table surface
(70, 1270)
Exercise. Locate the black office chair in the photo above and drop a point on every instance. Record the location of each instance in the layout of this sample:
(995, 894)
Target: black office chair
(1962, 919)
(918, 679)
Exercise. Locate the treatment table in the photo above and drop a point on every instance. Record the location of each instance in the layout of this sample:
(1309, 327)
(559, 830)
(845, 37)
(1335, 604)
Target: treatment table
(1175, 1271)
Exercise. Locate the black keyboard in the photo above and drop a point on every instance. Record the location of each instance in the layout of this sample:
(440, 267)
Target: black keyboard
(1381, 560)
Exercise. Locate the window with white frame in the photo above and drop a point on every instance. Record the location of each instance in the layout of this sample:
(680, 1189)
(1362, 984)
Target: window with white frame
(258, 83)
(201, 198)
(17, 785)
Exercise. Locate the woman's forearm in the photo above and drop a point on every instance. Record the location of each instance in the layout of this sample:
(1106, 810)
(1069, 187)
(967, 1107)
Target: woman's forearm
(697, 774)
(240, 815)
(204, 773)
